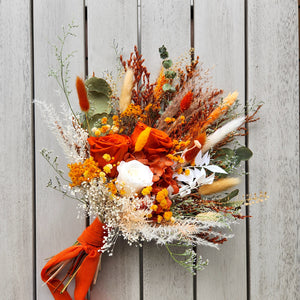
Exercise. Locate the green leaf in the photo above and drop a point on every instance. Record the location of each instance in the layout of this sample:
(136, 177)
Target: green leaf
(167, 87)
(163, 52)
(224, 153)
(170, 74)
(100, 103)
(243, 153)
(231, 195)
(167, 63)
(95, 120)
(98, 85)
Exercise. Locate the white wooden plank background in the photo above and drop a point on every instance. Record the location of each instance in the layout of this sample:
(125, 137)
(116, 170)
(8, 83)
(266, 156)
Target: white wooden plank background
(16, 177)
(273, 76)
(57, 226)
(219, 41)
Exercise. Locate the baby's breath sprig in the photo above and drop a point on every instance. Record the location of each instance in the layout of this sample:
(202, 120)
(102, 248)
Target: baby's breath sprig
(62, 73)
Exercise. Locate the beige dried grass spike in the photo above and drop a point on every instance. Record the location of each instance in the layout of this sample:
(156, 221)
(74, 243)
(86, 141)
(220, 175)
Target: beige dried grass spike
(126, 91)
(218, 186)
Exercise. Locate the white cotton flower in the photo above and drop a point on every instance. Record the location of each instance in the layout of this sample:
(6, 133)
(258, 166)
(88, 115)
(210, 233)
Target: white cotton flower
(133, 176)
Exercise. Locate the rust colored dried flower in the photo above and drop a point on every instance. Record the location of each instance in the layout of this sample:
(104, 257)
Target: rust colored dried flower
(186, 101)
(82, 95)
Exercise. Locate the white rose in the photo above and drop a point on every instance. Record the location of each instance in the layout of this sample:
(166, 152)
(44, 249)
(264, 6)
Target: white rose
(133, 176)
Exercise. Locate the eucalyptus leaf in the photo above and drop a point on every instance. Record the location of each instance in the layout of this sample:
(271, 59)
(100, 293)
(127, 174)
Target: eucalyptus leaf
(170, 74)
(95, 120)
(167, 63)
(167, 87)
(163, 52)
(100, 103)
(98, 85)
(243, 153)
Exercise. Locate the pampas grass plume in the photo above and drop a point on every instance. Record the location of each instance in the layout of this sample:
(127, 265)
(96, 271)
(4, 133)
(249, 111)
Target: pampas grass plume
(126, 91)
(221, 133)
(218, 186)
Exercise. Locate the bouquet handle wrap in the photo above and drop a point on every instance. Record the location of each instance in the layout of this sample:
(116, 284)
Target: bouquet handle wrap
(86, 253)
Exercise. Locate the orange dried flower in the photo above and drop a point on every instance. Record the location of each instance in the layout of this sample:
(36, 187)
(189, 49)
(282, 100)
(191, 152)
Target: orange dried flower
(82, 95)
(161, 80)
(186, 101)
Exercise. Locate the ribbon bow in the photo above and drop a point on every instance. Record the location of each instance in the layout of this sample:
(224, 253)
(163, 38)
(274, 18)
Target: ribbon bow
(83, 258)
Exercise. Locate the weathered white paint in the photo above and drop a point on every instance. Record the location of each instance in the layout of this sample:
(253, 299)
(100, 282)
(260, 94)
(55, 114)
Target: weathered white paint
(274, 79)
(219, 41)
(57, 226)
(111, 23)
(16, 215)
(168, 23)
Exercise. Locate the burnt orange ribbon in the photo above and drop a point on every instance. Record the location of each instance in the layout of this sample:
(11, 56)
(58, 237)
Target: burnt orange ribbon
(84, 257)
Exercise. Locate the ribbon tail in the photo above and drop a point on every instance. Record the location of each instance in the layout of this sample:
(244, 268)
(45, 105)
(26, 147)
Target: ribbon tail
(54, 284)
(86, 274)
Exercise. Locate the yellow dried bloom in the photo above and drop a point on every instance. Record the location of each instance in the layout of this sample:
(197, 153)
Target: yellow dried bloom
(164, 204)
(97, 132)
(86, 171)
(179, 171)
(168, 120)
(106, 157)
(147, 190)
(154, 207)
(187, 172)
(159, 219)
(104, 120)
(161, 195)
(107, 168)
(167, 215)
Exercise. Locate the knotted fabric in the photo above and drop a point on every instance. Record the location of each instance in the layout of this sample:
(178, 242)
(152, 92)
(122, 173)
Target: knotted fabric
(83, 256)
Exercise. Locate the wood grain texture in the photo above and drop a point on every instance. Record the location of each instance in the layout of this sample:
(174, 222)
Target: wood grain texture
(168, 23)
(57, 226)
(274, 78)
(16, 233)
(219, 41)
(113, 23)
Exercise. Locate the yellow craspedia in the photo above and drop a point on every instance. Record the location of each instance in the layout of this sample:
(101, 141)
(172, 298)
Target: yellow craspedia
(107, 157)
(161, 195)
(159, 219)
(97, 132)
(142, 139)
(147, 190)
(107, 168)
(154, 207)
(187, 172)
(167, 215)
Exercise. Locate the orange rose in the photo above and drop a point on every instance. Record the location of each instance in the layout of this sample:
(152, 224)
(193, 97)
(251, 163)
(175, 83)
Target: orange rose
(158, 141)
(115, 145)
